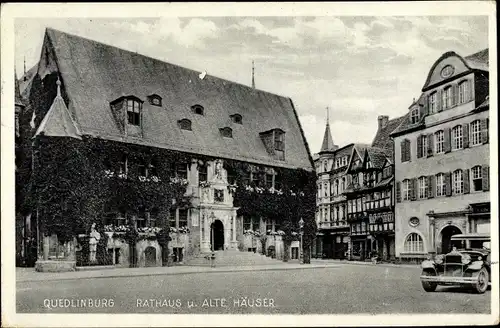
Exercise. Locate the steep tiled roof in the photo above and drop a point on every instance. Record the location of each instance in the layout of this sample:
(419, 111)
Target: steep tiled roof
(383, 139)
(95, 74)
(378, 156)
(479, 60)
(58, 122)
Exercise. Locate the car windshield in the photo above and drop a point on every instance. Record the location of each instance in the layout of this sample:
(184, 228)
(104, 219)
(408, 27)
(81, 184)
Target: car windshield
(468, 244)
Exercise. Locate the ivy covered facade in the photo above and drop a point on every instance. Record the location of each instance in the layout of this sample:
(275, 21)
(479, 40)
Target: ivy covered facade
(164, 169)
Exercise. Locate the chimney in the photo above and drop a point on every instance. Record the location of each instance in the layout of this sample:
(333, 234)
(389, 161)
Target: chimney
(382, 121)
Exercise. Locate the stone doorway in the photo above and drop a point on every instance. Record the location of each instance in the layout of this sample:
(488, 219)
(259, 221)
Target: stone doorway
(217, 235)
(150, 255)
(446, 243)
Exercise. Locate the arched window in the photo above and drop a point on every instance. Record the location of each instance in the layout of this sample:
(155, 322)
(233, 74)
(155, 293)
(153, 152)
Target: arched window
(414, 243)
(477, 178)
(406, 189)
(325, 166)
(226, 132)
(185, 124)
(457, 137)
(440, 185)
(422, 188)
(446, 97)
(198, 109)
(458, 182)
(463, 92)
(439, 141)
(433, 102)
(475, 132)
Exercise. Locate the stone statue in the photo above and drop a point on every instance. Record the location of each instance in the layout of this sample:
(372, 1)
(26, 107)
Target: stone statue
(218, 169)
(93, 241)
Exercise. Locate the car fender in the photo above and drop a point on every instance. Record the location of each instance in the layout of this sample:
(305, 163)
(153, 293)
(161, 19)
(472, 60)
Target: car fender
(427, 264)
(475, 266)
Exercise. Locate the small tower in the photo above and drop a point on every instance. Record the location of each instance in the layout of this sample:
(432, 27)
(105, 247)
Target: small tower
(253, 75)
(327, 138)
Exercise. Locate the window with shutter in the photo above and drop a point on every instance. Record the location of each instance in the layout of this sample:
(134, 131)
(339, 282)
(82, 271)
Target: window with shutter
(465, 132)
(403, 151)
(447, 140)
(430, 144)
(439, 141)
(433, 104)
(458, 182)
(398, 192)
(463, 92)
(486, 177)
(440, 185)
(431, 182)
(457, 138)
(439, 102)
(419, 146)
(447, 183)
(408, 150)
(484, 130)
(475, 133)
(454, 93)
(466, 181)
(414, 187)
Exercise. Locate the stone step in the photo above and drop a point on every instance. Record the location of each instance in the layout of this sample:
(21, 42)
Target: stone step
(232, 258)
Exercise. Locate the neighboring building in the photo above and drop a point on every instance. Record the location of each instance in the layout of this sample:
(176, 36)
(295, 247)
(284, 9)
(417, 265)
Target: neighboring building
(333, 232)
(82, 89)
(442, 158)
(370, 200)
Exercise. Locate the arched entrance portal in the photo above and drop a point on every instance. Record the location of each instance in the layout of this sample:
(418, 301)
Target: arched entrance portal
(217, 235)
(446, 233)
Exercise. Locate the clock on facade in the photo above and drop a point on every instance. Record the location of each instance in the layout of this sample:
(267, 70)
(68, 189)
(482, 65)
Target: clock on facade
(414, 222)
(447, 71)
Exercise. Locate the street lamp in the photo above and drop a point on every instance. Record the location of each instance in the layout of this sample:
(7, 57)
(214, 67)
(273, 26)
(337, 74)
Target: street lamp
(301, 231)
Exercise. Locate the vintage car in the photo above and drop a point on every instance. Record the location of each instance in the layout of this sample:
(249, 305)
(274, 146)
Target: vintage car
(468, 264)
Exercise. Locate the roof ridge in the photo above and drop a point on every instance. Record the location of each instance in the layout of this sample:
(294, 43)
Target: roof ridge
(165, 62)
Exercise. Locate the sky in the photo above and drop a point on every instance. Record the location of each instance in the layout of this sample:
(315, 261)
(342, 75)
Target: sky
(358, 66)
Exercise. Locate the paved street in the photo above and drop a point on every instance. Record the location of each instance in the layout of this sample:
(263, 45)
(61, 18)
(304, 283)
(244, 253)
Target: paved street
(344, 289)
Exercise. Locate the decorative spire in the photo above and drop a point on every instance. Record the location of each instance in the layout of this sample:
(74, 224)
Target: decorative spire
(58, 87)
(253, 75)
(327, 138)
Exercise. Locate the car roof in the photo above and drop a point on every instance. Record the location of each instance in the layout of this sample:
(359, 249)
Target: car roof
(472, 236)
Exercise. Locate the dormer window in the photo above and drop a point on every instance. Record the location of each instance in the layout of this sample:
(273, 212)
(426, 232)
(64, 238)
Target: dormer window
(415, 115)
(198, 109)
(274, 141)
(226, 132)
(155, 100)
(134, 108)
(237, 118)
(279, 140)
(185, 124)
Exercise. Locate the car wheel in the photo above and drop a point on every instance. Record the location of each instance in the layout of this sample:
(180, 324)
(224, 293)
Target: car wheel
(427, 285)
(482, 281)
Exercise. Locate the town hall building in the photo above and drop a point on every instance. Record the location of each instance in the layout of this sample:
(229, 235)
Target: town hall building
(228, 135)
